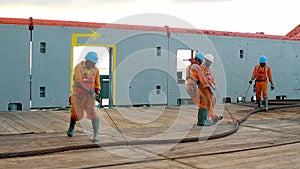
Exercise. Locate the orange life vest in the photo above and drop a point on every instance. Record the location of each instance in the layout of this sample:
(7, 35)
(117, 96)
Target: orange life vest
(192, 73)
(261, 73)
(88, 77)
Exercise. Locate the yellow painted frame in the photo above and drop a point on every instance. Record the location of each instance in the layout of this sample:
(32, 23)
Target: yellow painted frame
(94, 35)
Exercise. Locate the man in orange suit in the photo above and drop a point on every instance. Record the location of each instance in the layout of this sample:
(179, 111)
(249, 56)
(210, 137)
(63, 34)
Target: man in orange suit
(262, 73)
(86, 84)
(196, 85)
(209, 59)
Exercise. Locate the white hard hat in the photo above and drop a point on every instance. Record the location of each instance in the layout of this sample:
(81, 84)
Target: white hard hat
(209, 57)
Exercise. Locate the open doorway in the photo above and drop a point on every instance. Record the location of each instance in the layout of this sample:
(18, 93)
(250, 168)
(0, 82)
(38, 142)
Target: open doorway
(80, 52)
(183, 56)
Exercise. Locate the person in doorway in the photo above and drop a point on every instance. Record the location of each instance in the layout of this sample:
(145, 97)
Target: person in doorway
(209, 59)
(86, 83)
(195, 83)
(261, 74)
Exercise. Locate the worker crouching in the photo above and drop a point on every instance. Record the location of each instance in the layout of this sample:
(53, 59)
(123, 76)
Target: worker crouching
(86, 83)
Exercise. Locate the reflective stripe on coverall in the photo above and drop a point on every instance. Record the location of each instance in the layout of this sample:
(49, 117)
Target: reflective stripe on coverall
(81, 100)
(211, 81)
(194, 74)
(261, 76)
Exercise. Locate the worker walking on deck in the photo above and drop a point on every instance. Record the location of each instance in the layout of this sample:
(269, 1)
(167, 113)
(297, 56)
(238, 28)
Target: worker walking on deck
(209, 59)
(195, 83)
(261, 74)
(86, 84)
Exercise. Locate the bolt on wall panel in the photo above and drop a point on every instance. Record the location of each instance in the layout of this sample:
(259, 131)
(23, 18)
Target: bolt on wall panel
(15, 71)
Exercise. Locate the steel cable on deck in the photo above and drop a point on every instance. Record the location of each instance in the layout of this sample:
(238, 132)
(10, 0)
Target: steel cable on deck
(236, 124)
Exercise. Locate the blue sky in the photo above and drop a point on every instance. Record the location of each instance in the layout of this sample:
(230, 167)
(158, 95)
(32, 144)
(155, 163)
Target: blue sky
(270, 16)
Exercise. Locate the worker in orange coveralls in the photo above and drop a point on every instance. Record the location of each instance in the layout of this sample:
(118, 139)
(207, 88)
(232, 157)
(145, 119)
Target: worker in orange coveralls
(86, 84)
(261, 74)
(209, 59)
(196, 81)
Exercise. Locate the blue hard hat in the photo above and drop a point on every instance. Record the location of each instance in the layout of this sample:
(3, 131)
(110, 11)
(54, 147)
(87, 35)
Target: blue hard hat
(262, 59)
(199, 55)
(92, 56)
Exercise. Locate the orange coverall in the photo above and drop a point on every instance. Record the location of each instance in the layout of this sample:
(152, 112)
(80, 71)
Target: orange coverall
(194, 75)
(81, 100)
(261, 76)
(211, 81)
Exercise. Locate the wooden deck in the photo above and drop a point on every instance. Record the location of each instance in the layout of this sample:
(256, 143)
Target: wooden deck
(266, 140)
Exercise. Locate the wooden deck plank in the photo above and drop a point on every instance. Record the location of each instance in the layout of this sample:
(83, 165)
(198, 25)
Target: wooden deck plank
(7, 125)
(3, 130)
(29, 142)
(57, 124)
(258, 132)
(35, 120)
(115, 157)
(76, 159)
(63, 115)
(20, 124)
(276, 157)
(246, 138)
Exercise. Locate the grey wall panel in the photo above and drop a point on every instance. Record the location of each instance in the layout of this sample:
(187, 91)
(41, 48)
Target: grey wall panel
(233, 73)
(175, 91)
(142, 90)
(286, 67)
(52, 68)
(143, 76)
(108, 36)
(295, 58)
(236, 70)
(281, 55)
(15, 72)
(140, 70)
(201, 43)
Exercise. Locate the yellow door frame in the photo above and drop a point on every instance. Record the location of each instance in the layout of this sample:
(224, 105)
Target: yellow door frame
(94, 35)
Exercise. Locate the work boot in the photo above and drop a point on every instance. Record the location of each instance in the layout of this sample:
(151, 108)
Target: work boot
(95, 124)
(208, 121)
(266, 104)
(258, 104)
(202, 118)
(71, 128)
(217, 118)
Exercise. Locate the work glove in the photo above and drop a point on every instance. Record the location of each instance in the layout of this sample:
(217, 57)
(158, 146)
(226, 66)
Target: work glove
(91, 92)
(212, 90)
(97, 95)
(214, 87)
(250, 81)
(98, 98)
(272, 87)
(97, 91)
(205, 86)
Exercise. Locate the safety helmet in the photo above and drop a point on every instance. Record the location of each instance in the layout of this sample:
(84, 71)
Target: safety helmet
(92, 56)
(209, 57)
(262, 59)
(199, 55)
